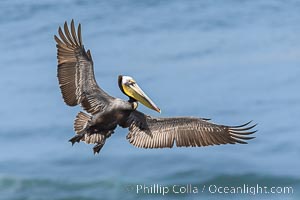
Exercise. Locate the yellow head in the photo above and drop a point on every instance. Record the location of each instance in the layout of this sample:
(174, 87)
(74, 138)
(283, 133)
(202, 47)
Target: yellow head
(130, 88)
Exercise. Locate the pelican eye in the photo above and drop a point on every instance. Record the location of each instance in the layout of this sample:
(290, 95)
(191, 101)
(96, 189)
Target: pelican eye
(130, 82)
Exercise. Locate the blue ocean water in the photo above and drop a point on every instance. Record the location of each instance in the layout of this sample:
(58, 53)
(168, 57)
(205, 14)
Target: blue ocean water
(231, 61)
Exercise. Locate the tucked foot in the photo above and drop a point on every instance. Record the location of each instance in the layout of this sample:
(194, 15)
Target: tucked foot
(76, 138)
(98, 147)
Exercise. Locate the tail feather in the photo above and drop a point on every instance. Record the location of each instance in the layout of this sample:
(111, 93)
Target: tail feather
(81, 121)
(97, 138)
(94, 138)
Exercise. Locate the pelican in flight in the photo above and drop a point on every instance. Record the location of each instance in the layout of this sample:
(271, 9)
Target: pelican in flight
(75, 72)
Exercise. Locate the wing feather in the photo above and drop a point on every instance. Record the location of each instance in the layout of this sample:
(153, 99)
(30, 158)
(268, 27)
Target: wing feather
(150, 132)
(76, 73)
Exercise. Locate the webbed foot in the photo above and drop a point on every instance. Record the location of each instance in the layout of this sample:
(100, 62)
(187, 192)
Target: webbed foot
(98, 147)
(76, 138)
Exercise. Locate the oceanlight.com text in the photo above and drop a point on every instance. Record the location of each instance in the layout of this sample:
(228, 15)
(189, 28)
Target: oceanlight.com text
(252, 190)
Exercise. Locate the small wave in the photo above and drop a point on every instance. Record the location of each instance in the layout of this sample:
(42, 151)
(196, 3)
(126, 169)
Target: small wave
(45, 188)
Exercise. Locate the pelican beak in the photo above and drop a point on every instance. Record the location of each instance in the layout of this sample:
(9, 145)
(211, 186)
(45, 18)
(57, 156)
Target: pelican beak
(133, 90)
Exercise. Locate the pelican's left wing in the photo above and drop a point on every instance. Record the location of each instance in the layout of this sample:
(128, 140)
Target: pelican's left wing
(75, 72)
(150, 132)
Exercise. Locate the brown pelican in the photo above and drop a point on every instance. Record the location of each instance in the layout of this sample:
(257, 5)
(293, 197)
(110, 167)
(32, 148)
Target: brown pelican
(78, 86)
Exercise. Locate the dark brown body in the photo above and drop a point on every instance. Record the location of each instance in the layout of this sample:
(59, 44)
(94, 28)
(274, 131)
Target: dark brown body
(98, 127)
(114, 115)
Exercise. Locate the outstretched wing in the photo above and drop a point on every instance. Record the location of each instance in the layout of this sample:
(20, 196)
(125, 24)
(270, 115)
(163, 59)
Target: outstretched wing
(76, 73)
(150, 132)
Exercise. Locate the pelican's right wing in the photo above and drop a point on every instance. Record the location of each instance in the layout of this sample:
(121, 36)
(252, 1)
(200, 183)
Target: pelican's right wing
(76, 73)
(150, 132)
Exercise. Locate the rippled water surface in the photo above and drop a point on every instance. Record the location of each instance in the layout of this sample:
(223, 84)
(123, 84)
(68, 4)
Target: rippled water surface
(231, 61)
